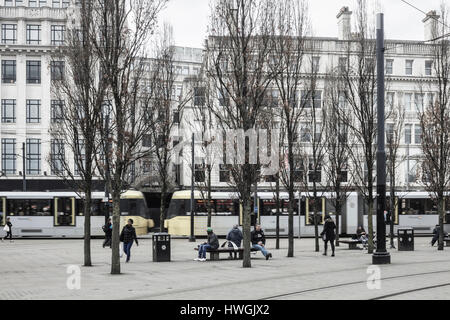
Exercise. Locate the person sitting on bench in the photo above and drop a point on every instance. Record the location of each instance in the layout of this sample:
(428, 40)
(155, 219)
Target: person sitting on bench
(213, 243)
(361, 235)
(259, 241)
(234, 236)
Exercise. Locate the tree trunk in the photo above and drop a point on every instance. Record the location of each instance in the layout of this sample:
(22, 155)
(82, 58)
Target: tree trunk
(441, 223)
(246, 207)
(115, 260)
(277, 245)
(338, 214)
(209, 199)
(316, 222)
(370, 224)
(291, 220)
(87, 227)
(393, 208)
(162, 209)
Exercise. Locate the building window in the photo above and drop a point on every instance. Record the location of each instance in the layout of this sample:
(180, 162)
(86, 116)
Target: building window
(80, 159)
(411, 176)
(9, 71)
(57, 70)
(418, 134)
(305, 133)
(315, 64)
(57, 111)
(409, 67)
(200, 172)
(33, 72)
(390, 133)
(199, 96)
(147, 141)
(8, 111)
(315, 98)
(342, 64)
(9, 33)
(299, 169)
(224, 173)
(56, 4)
(390, 100)
(314, 175)
(57, 157)
(33, 156)
(408, 133)
(224, 99)
(408, 101)
(9, 156)
(33, 111)
(428, 67)
(33, 34)
(389, 66)
(57, 35)
(65, 3)
(418, 99)
(430, 100)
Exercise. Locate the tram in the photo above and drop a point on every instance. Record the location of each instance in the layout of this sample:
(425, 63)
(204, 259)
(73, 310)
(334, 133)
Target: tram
(414, 209)
(60, 214)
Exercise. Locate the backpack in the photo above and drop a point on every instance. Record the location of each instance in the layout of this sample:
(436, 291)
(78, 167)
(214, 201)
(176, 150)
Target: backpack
(104, 228)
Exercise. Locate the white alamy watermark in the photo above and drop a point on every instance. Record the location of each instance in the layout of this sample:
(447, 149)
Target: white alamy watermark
(215, 148)
(374, 279)
(74, 280)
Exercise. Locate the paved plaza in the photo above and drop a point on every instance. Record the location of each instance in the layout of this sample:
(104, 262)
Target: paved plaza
(37, 269)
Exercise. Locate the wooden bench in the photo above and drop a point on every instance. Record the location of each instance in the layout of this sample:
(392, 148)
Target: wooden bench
(352, 244)
(214, 253)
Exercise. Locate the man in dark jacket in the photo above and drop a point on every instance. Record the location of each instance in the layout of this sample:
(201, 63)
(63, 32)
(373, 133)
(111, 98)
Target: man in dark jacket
(213, 243)
(329, 234)
(107, 228)
(259, 241)
(127, 236)
(235, 236)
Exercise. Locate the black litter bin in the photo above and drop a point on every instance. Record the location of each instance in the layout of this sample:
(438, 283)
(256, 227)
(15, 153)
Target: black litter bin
(405, 239)
(161, 247)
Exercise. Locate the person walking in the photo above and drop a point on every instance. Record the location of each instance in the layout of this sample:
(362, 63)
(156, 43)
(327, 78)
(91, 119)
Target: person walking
(259, 241)
(8, 229)
(127, 236)
(107, 228)
(328, 234)
(235, 236)
(212, 243)
(436, 232)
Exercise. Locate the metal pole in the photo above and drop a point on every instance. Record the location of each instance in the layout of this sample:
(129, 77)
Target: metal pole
(192, 236)
(256, 204)
(24, 167)
(381, 256)
(299, 214)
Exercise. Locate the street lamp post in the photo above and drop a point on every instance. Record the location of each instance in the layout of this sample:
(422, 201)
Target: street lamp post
(381, 256)
(192, 236)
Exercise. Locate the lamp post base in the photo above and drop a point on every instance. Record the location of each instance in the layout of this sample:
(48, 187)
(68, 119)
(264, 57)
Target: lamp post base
(381, 258)
(192, 239)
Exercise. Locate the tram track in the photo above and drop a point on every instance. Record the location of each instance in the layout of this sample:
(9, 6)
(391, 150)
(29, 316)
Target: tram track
(364, 282)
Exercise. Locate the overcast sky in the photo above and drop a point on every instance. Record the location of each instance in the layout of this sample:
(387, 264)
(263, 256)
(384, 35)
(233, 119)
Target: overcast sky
(190, 18)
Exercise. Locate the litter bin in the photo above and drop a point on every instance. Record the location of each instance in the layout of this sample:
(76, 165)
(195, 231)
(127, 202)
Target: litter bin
(161, 247)
(405, 239)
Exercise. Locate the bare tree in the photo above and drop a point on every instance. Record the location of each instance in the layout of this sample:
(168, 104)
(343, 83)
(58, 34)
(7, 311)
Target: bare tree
(360, 92)
(435, 123)
(337, 173)
(75, 113)
(394, 129)
(167, 106)
(122, 30)
(237, 62)
(289, 28)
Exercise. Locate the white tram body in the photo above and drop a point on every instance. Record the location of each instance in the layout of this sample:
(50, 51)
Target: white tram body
(414, 209)
(60, 214)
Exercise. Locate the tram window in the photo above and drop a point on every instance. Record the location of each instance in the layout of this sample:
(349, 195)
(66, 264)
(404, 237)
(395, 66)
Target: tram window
(269, 207)
(176, 208)
(314, 204)
(21, 207)
(225, 207)
(418, 207)
(97, 208)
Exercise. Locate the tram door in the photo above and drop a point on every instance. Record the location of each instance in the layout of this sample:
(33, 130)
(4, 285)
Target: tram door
(64, 212)
(2, 211)
(311, 215)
